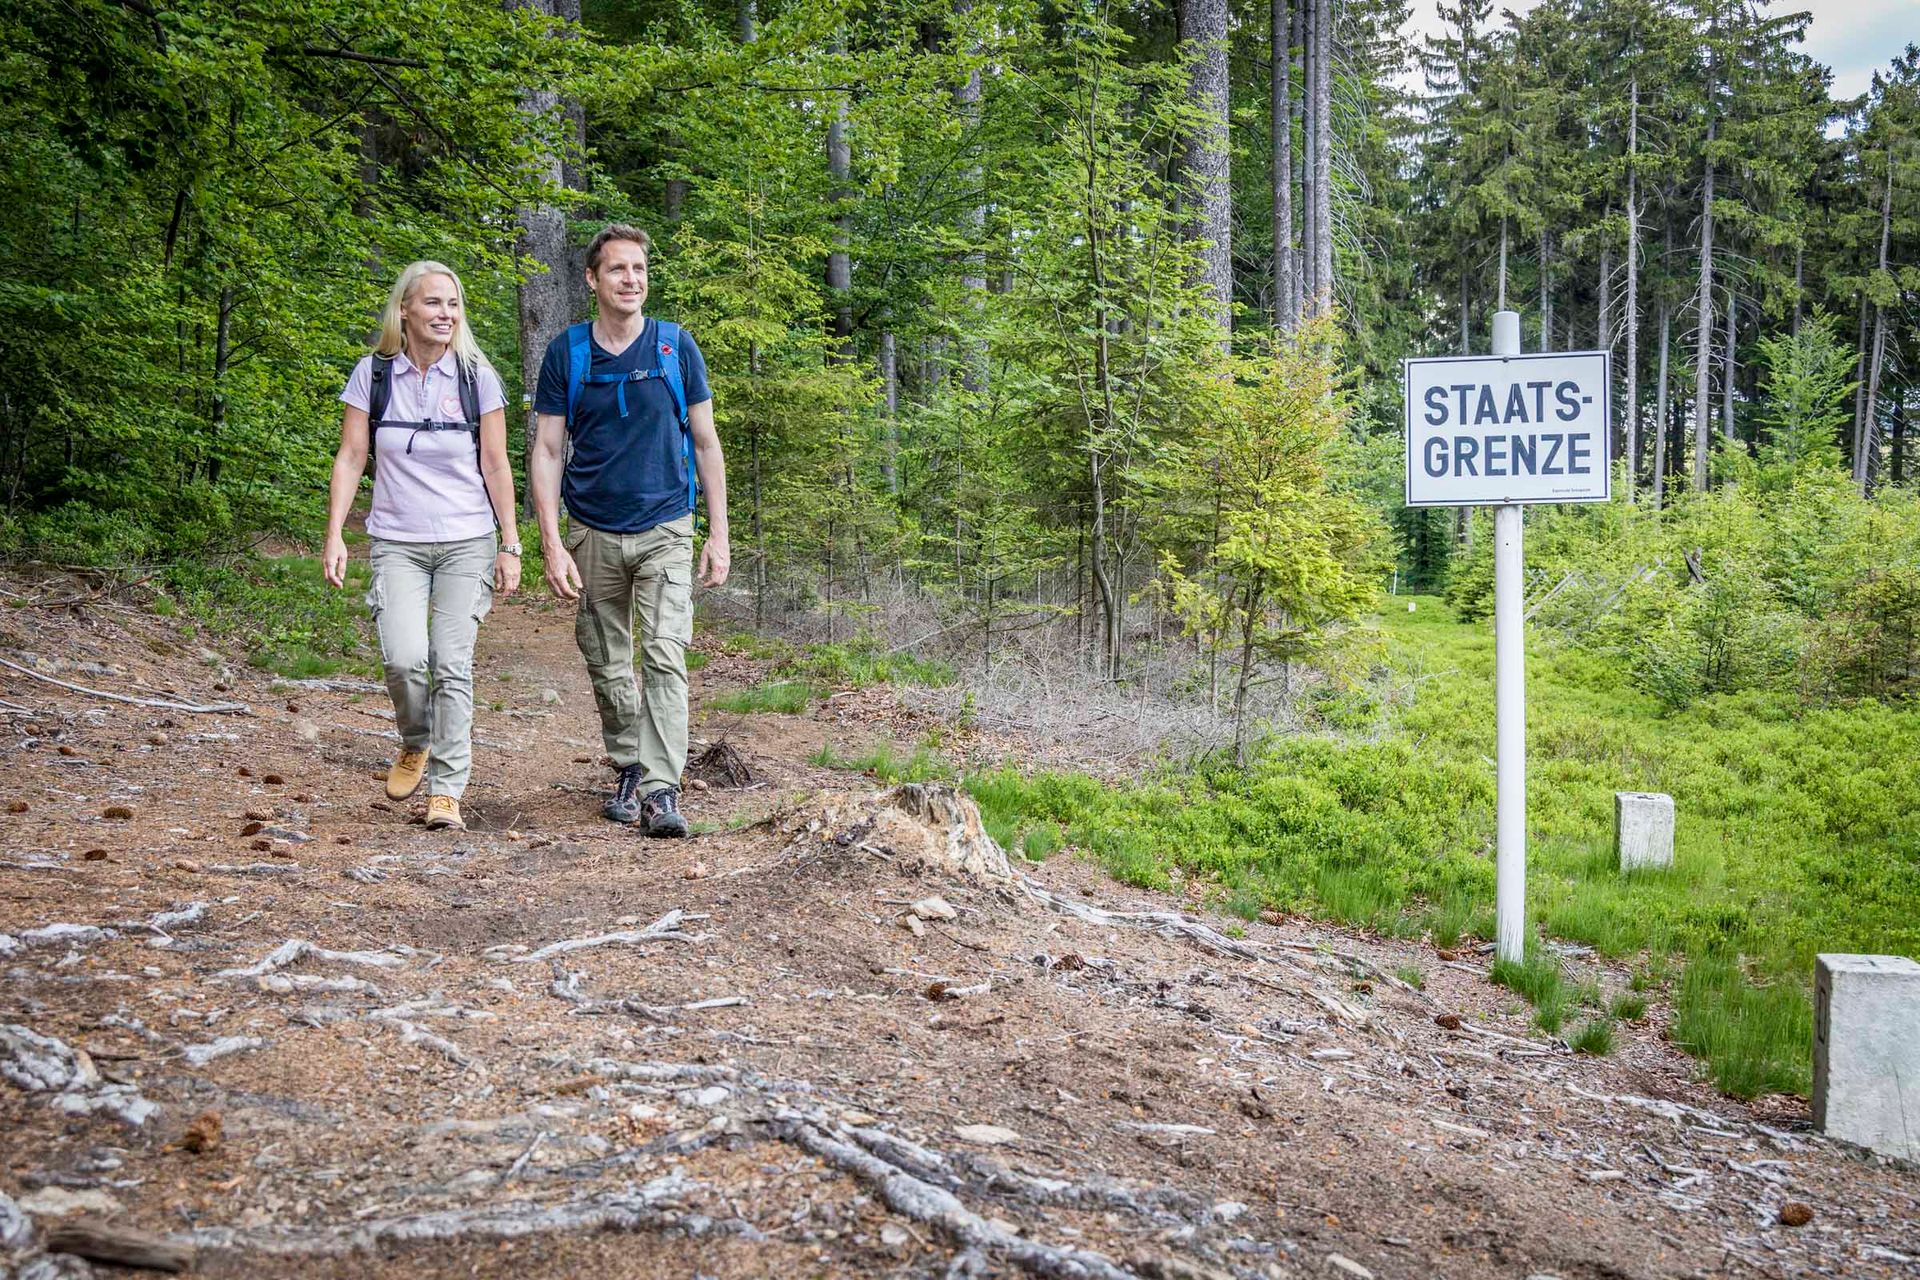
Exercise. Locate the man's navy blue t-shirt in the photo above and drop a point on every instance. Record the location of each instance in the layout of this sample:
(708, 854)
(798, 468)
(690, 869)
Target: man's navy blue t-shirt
(626, 474)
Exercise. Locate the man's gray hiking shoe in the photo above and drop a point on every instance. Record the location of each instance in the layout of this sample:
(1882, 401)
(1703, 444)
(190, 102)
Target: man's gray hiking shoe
(662, 811)
(624, 804)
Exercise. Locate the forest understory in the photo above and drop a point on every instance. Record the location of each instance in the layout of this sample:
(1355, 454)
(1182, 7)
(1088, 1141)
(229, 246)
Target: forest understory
(258, 1021)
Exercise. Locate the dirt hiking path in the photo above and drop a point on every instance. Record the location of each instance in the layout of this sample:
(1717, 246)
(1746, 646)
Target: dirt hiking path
(253, 1010)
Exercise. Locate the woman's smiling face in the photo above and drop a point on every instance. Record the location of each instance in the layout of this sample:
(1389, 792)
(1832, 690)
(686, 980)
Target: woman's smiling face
(431, 312)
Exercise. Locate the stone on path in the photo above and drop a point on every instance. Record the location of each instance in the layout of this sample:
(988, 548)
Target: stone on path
(1866, 1052)
(1644, 827)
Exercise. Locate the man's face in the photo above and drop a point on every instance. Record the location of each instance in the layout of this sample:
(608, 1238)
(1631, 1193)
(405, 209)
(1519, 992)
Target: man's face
(620, 279)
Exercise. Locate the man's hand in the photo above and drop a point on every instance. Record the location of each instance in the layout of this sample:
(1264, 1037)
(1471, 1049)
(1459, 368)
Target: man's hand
(563, 576)
(715, 560)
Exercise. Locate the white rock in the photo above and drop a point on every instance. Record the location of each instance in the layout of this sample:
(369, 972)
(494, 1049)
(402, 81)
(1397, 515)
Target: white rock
(58, 1202)
(1643, 829)
(199, 1055)
(1340, 1262)
(712, 1096)
(1866, 1052)
(67, 934)
(934, 909)
(16, 1229)
(1228, 1210)
(893, 1237)
(987, 1135)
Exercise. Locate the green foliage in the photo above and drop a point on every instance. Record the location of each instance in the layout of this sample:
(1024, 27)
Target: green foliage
(1593, 1036)
(859, 664)
(785, 697)
(1797, 833)
(191, 190)
(883, 762)
(1756, 1037)
(1289, 557)
(1628, 1007)
(290, 620)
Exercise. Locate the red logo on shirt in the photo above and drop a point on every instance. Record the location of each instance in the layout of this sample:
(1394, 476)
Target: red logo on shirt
(666, 348)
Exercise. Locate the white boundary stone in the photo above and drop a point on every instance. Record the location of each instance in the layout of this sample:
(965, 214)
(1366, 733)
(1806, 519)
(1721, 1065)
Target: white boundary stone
(1643, 829)
(1866, 1052)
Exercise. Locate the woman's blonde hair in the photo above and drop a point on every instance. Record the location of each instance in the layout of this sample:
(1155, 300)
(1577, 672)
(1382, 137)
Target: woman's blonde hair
(393, 339)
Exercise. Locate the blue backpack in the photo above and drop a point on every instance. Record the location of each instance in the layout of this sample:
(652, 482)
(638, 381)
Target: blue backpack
(666, 343)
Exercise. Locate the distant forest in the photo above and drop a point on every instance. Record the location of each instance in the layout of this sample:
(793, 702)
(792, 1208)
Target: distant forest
(984, 287)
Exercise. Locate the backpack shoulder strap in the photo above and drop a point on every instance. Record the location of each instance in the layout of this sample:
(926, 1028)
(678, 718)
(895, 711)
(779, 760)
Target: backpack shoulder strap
(379, 392)
(579, 356)
(668, 340)
(380, 387)
(469, 396)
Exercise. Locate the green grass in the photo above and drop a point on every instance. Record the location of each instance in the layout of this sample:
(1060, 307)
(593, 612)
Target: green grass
(1798, 832)
(787, 697)
(1411, 975)
(882, 761)
(291, 622)
(696, 659)
(1594, 1036)
(1539, 980)
(1628, 1007)
(857, 664)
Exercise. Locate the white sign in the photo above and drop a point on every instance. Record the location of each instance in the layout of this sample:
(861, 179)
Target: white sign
(1486, 430)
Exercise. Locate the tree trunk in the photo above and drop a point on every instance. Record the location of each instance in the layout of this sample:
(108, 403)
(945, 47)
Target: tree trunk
(222, 357)
(1633, 287)
(973, 271)
(1280, 119)
(546, 302)
(1323, 281)
(1870, 416)
(1660, 410)
(1501, 304)
(839, 277)
(1703, 331)
(1205, 160)
(1546, 291)
(746, 17)
(1603, 325)
(1245, 681)
(1309, 144)
(1727, 370)
(1297, 173)
(1799, 285)
(890, 407)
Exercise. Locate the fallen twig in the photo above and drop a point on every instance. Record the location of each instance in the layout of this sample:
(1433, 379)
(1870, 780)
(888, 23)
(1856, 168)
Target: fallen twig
(165, 704)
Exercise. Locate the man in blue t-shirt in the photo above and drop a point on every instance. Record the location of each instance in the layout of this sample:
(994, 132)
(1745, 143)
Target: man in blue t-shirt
(629, 543)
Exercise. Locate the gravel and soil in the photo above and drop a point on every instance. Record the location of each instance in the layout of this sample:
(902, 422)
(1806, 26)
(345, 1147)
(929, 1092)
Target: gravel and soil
(754, 1064)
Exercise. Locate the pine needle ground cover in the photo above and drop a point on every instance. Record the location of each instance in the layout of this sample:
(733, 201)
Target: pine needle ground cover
(1798, 832)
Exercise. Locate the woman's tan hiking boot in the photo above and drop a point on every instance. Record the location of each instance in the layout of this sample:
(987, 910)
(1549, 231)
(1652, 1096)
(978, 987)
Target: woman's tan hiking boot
(404, 774)
(443, 813)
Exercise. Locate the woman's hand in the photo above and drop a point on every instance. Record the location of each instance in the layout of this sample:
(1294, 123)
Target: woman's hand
(506, 574)
(333, 560)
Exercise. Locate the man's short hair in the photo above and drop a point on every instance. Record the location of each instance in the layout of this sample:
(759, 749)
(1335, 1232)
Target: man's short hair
(616, 231)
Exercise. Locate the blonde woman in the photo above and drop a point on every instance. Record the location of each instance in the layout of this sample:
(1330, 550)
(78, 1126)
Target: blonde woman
(429, 411)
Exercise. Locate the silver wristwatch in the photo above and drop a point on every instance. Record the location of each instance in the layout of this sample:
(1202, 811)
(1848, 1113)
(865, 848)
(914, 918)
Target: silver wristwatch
(511, 549)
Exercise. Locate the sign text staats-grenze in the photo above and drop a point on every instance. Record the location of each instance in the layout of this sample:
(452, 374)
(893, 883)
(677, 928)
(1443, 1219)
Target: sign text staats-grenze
(1484, 430)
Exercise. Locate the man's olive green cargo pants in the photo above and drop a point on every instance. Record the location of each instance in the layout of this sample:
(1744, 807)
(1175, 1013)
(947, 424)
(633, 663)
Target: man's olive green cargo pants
(650, 574)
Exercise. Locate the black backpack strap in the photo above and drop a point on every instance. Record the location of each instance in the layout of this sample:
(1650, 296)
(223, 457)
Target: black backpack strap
(470, 404)
(379, 392)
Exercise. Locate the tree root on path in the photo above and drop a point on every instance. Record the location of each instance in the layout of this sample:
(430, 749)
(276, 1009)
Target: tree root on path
(649, 1207)
(295, 949)
(923, 1202)
(665, 929)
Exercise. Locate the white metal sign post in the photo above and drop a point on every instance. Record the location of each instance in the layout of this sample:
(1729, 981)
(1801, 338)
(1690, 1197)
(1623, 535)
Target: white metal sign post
(1502, 431)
